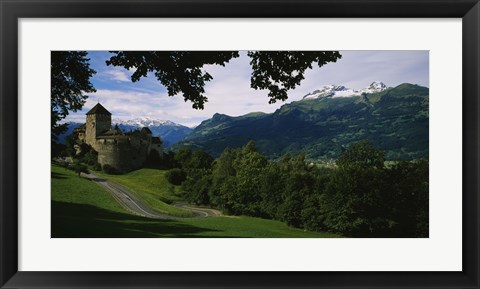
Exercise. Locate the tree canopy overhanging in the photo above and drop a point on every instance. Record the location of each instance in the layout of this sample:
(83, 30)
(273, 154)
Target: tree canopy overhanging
(182, 71)
(70, 81)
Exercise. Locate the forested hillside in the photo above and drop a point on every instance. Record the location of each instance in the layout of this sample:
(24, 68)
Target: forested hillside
(394, 120)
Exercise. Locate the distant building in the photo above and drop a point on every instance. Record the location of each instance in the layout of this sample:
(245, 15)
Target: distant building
(123, 151)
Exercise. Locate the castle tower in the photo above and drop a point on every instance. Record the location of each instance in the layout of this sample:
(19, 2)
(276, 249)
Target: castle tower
(99, 120)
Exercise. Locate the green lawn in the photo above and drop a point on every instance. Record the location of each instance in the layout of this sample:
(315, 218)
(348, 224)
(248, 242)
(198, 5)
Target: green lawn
(152, 188)
(81, 208)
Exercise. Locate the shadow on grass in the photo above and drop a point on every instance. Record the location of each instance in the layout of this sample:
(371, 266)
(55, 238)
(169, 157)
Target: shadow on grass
(97, 179)
(87, 221)
(58, 176)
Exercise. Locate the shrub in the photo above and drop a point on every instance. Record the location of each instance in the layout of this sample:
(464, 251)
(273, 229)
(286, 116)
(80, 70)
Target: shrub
(176, 176)
(79, 168)
(97, 167)
(108, 169)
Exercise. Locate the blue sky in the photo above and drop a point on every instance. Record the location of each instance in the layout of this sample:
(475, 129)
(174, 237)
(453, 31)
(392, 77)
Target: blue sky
(229, 92)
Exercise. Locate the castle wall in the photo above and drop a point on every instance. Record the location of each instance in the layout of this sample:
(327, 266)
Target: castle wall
(122, 153)
(157, 147)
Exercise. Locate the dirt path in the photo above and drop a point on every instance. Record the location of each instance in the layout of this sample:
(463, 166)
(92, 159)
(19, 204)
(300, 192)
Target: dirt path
(130, 202)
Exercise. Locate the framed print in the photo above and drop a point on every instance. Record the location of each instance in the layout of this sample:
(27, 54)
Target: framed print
(226, 144)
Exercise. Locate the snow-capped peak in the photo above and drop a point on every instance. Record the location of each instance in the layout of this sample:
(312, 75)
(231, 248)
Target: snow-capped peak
(376, 86)
(145, 122)
(333, 90)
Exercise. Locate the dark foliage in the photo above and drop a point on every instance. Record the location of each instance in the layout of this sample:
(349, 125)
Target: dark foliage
(154, 159)
(167, 160)
(182, 71)
(280, 71)
(178, 71)
(360, 197)
(79, 168)
(87, 155)
(108, 169)
(97, 167)
(361, 155)
(70, 81)
(58, 150)
(176, 176)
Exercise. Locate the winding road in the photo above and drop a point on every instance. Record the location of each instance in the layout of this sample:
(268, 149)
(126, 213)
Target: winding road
(133, 204)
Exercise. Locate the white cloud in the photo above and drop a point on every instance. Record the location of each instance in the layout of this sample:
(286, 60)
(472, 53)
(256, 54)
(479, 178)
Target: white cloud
(118, 74)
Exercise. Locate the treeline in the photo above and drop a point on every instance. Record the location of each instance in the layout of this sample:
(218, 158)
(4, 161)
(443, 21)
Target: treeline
(361, 197)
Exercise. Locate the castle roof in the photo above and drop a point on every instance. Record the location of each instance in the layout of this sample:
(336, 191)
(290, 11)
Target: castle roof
(98, 109)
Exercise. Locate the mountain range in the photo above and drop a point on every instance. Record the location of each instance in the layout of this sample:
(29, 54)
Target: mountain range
(325, 122)
(168, 131)
(334, 90)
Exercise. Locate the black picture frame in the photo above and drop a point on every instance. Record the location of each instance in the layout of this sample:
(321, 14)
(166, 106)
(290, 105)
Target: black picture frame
(11, 11)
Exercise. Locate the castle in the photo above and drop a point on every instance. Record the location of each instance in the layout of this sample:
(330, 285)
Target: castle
(120, 150)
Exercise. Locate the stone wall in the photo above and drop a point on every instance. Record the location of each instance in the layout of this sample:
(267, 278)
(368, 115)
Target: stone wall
(122, 153)
(95, 125)
(157, 147)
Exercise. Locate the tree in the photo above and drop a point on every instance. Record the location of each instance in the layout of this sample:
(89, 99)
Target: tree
(178, 71)
(408, 198)
(183, 71)
(167, 160)
(224, 180)
(279, 71)
(354, 202)
(176, 176)
(362, 155)
(356, 194)
(197, 188)
(70, 81)
(299, 183)
(183, 156)
(79, 169)
(249, 167)
(193, 160)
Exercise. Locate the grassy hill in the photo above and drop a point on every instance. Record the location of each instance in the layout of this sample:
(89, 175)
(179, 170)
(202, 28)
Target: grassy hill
(152, 188)
(394, 120)
(82, 209)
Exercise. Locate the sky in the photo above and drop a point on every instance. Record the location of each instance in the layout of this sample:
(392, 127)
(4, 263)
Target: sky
(229, 92)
